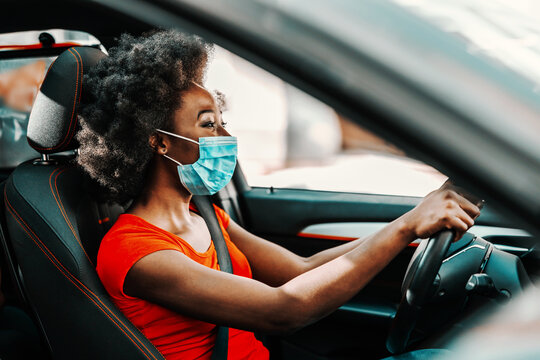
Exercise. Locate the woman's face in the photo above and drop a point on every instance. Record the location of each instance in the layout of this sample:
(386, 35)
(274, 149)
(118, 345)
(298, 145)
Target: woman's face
(199, 116)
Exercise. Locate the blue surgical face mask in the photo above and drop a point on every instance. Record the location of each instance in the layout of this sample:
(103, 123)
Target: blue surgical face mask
(214, 168)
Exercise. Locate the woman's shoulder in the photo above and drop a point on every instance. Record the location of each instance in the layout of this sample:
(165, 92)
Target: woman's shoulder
(131, 236)
(129, 239)
(130, 227)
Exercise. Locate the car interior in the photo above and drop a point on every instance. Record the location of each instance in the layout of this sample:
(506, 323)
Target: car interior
(52, 219)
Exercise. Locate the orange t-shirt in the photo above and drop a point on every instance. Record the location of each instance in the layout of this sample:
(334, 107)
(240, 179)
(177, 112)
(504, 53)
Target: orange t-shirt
(176, 336)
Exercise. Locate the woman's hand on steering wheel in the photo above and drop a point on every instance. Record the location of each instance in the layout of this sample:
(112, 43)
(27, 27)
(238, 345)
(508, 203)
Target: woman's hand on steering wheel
(445, 208)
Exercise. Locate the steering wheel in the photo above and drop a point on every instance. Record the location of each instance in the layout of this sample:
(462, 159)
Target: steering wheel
(419, 277)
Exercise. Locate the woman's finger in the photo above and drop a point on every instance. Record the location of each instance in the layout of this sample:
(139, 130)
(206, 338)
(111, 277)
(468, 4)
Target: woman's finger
(457, 224)
(465, 217)
(469, 207)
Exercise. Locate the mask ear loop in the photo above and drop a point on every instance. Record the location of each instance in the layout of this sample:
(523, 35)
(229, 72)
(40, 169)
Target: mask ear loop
(180, 164)
(170, 158)
(178, 136)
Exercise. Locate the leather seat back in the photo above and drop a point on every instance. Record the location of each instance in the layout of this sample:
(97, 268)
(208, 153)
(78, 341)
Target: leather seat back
(55, 227)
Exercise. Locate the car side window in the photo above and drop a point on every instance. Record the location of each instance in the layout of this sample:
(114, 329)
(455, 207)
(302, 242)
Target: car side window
(20, 80)
(288, 139)
(21, 75)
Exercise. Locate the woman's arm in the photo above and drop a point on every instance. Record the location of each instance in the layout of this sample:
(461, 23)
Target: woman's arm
(275, 265)
(171, 279)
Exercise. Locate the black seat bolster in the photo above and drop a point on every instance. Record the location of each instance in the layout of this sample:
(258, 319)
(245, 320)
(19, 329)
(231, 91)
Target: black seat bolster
(9, 266)
(14, 280)
(94, 219)
(42, 206)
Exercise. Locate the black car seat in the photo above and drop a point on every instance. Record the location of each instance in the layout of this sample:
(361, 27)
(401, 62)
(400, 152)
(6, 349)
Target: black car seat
(54, 227)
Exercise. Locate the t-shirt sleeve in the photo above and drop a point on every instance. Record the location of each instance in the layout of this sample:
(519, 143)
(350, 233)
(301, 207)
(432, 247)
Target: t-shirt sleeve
(120, 251)
(222, 216)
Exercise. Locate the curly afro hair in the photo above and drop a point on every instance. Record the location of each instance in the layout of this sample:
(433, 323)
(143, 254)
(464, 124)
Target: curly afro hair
(127, 96)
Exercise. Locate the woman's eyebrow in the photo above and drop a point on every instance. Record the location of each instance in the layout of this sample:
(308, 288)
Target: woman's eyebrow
(204, 111)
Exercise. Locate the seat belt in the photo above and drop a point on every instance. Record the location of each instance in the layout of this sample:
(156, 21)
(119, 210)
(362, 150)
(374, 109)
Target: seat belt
(206, 209)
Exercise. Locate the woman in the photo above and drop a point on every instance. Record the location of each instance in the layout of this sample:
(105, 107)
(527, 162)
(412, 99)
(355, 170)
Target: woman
(146, 118)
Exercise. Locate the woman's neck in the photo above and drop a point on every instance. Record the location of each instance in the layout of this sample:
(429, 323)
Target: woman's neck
(163, 201)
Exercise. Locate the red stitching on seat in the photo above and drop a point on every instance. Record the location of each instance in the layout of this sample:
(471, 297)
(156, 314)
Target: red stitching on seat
(62, 209)
(75, 101)
(71, 132)
(72, 278)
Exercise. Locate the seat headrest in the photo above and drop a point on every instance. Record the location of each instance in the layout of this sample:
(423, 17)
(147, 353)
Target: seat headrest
(53, 120)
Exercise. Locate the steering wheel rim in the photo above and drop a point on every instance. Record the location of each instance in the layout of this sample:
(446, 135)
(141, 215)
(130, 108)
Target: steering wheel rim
(415, 295)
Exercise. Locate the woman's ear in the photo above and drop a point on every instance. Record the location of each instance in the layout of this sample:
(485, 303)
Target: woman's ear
(158, 143)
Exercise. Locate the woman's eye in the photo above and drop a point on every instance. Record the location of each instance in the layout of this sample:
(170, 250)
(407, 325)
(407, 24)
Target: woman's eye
(210, 124)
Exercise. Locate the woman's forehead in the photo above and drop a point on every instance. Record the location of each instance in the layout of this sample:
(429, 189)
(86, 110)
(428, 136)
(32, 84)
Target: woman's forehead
(197, 95)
